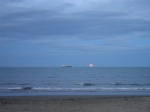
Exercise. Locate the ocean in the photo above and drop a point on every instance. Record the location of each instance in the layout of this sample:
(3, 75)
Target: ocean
(24, 81)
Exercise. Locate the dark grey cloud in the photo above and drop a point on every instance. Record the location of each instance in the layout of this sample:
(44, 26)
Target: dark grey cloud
(49, 23)
(55, 21)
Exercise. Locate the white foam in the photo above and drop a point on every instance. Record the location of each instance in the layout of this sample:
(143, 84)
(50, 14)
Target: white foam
(85, 89)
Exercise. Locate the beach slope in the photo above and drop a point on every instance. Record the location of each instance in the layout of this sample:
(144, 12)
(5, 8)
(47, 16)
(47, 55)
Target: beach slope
(75, 104)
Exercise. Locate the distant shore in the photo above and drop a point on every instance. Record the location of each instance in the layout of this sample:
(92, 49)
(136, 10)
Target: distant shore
(75, 104)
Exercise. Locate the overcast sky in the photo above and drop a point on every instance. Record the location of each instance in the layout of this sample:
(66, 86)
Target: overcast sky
(74, 32)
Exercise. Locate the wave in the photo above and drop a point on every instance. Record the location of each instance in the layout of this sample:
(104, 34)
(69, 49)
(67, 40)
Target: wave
(8, 84)
(134, 84)
(88, 89)
(79, 84)
(116, 84)
(85, 84)
(19, 88)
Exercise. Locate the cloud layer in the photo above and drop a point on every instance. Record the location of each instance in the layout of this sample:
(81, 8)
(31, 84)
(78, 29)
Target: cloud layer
(77, 25)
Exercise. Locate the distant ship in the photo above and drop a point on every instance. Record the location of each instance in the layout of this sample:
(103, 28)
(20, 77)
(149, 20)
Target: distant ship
(66, 66)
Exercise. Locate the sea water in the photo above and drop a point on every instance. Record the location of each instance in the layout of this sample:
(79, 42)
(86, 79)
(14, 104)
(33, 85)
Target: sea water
(20, 81)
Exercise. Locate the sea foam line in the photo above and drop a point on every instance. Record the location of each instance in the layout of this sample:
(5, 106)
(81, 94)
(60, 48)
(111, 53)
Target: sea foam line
(75, 89)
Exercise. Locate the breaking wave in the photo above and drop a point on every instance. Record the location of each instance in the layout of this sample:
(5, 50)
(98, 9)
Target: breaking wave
(88, 89)
(116, 84)
(85, 84)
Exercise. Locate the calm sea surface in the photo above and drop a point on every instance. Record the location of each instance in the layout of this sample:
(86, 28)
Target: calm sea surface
(74, 81)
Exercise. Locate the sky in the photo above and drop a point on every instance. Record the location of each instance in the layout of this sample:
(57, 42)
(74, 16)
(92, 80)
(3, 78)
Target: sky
(50, 33)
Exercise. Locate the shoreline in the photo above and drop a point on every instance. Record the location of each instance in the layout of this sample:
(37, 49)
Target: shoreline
(74, 103)
(75, 96)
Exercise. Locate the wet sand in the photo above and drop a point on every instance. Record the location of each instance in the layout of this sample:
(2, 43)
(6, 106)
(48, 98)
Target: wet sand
(75, 104)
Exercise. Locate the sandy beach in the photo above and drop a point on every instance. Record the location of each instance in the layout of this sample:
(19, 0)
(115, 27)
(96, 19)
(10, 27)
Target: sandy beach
(75, 104)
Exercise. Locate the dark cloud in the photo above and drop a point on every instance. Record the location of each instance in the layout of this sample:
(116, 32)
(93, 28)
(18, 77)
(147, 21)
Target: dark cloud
(19, 20)
(50, 23)
(61, 29)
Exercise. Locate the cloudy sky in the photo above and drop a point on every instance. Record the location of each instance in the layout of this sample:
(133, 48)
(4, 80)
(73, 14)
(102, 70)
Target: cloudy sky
(50, 33)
